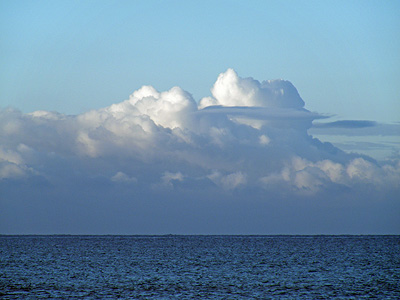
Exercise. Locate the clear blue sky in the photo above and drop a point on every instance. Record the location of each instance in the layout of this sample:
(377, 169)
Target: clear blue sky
(72, 56)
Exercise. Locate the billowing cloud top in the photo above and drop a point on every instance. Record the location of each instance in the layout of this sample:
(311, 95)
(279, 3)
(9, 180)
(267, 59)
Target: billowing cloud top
(249, 136)
(231, 90)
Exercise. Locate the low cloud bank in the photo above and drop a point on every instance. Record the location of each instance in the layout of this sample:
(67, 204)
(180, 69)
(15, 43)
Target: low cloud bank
(250, 137)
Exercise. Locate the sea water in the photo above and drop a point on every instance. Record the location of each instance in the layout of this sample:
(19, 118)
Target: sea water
(199, 267)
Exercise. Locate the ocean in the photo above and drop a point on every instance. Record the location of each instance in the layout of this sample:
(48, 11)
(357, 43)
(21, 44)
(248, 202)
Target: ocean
(199, 267)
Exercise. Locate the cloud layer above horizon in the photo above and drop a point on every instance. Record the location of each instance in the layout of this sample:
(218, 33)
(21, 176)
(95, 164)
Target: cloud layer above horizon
(250, 139)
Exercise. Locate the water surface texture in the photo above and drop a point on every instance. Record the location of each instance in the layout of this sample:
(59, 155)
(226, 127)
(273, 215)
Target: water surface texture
(207, 267)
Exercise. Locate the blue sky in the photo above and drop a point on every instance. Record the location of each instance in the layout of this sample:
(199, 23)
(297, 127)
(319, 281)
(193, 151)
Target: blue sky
(199, 117)
(72, 56)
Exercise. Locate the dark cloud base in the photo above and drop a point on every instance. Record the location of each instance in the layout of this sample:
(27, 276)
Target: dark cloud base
(115, 210)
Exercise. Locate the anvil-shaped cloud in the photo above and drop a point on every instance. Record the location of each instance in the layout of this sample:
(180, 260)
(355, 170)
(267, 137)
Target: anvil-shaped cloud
(249, 138)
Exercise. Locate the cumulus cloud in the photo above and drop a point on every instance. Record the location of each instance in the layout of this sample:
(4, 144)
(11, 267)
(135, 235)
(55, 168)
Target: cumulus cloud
(248, 131)
(12, 163)
(229, 181)
(306, 176)
(231, 90)
(122, 177)
(248, 137)
(168, 177)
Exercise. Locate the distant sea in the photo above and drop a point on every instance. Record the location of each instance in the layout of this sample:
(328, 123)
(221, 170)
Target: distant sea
(200, 267)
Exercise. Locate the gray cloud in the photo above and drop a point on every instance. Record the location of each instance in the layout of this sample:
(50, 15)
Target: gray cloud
(159, 161)
(355, 128)
(261, 113)
(346, 124)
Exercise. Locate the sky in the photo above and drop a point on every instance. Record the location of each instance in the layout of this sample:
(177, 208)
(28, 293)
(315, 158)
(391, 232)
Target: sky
(189, 117)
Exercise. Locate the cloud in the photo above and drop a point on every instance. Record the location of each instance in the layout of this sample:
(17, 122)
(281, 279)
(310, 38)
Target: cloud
(122, 177)
(231, 90)
(381, 141)
(310, 177)
(250, 139)
(355, 128)
(12, 164)
(346, 124)
(229, 181)
(261, 113)
(168, 178)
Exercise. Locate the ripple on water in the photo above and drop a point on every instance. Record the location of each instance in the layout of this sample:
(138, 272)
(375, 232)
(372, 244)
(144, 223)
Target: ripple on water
(212, 267)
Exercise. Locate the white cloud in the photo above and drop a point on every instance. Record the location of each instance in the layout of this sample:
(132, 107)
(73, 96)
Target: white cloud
(10, 156)
(229, 181)
(233, 180)
(231, 90)
(11, 170)
(169, 180)
(251, 132)
(169, 109)
(244, 157)
(333, 170)
(122, 177)
(12, 163)
(264, 140)
(312, 177)
(170, 176)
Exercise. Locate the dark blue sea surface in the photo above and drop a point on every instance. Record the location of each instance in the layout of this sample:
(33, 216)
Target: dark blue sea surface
(200, 267)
